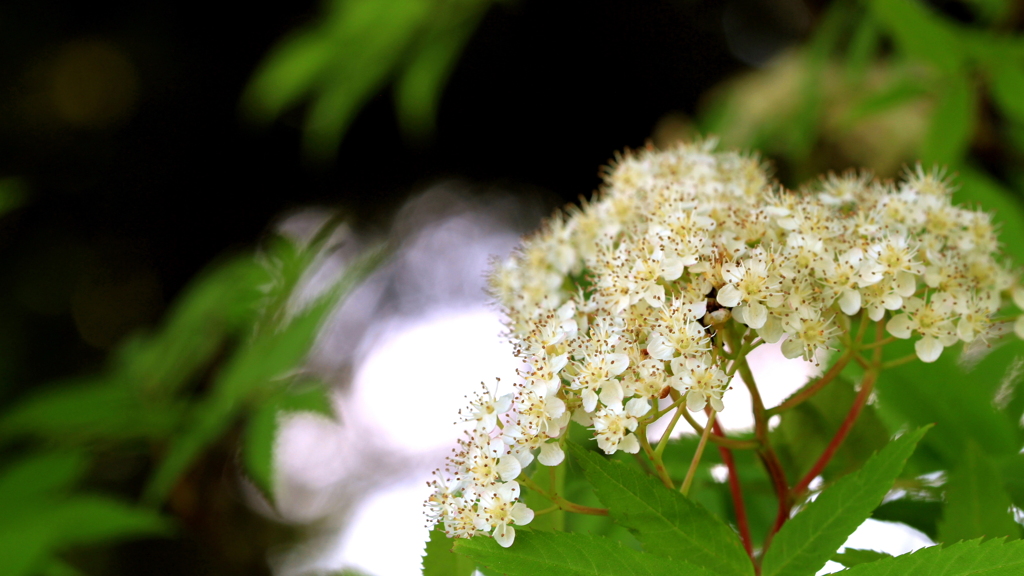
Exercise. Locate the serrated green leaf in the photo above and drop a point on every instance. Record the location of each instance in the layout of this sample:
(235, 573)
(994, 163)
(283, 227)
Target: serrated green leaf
(974, 558)
(976, 503)
(952, 123)
(563, 554)
(664, 521)
(852, 557)
(809, 539)
(922, 515)
(440, 560)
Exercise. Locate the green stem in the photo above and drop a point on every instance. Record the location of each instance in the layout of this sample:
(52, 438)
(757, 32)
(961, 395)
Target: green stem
(899, 361)
(655, 458)
(561, 502)
(685, 488)
(720, 440)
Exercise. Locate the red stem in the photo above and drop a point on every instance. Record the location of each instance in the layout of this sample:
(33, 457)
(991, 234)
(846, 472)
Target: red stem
(774, 467)
(737, 494)
(837, 440)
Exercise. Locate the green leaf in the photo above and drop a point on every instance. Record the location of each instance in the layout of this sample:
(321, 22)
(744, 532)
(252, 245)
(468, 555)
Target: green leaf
(78, 412)
(977, 505)
(952, 123)
(852, 557)
(974, 558)
(664, 521)
(563, 554)
(13, 192)
(921, 33)
(809, 539)
(40, 474)
(922, 515)
(805, 430)
(262, 427)
(421, 81)
(439, 560)
(1006, 78)
(956, 396)
(900, 92)
(56, 567)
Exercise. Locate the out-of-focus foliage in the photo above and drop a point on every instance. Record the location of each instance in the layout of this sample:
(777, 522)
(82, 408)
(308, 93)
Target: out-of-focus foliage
(356, 47)
(227, 358)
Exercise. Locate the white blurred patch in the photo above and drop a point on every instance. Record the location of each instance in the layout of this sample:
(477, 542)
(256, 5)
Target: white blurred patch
(890, 537)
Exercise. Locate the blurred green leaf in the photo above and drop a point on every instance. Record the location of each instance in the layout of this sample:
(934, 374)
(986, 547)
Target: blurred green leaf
(952, 123)
(56, 567)
(811, 538)
(83, 411)
(896, 94)
(992, 558)
(976, 503)
(422, 78)
(664, 521)
(345, 60)
(1006, 78)
(862, 49)
(262, 427)
(13, 192)
(39, 474)
(921, 33)
(254, 373)
(922, 515)
(31, 534)
(957, 397)
(563, 554)
(805, 431)
(852, 557)
(440, 560)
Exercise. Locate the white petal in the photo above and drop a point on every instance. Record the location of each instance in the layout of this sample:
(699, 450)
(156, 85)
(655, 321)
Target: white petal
(849, 302)
(928, 349)
(1018, 296)
(551, 454)
(1018, 327)
(716, 404)
(771, 332)
(637, 407)
(611, 393)
(504, 535)
(900, 326)
(671, 269)
(756, 314)
(509, 491)
(521, 514)
(629, 444)
(503, 404)
(792, 348)
(695, 401)
(906, 284)
(729, 296)
(655, 296)
(617, 363)
(558, 362)
(508, 468)
(659, 347)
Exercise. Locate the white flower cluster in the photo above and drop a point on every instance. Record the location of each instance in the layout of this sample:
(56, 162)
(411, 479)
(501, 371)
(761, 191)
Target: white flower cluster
(614, 304)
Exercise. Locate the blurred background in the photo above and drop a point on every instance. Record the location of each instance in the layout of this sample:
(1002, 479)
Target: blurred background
(243, 252)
